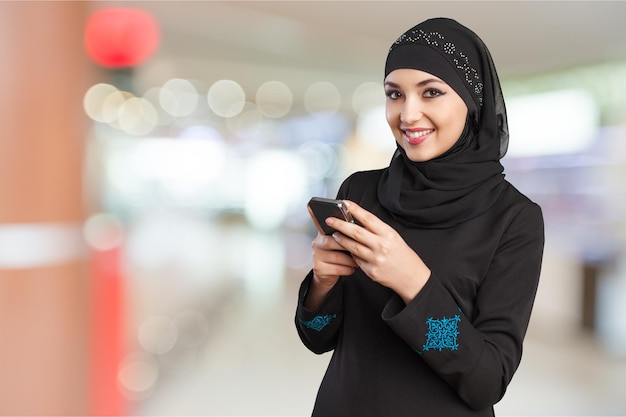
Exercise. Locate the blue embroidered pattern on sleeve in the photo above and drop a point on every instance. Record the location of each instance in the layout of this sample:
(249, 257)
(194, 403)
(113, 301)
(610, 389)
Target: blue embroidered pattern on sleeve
(318, 322)
(442, 334)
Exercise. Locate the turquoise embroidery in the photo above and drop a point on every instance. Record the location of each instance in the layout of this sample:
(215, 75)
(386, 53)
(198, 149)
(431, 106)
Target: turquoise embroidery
(442, 334)
(318, 322)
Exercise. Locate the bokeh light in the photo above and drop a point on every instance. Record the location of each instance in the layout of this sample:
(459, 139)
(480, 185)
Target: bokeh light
(137, 375)
(178, 97)
(103, 231)
(121, 37)
(93, 102)
(111, 107)
(157, 335)
(274, 99)
(322, 98)
(137, 116)
(226, 98)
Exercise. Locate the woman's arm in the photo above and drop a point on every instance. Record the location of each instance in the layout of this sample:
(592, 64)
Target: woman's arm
(319, 314)
(478, 355)
(319, 328)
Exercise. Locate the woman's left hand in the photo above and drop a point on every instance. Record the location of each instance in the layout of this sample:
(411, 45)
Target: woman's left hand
(381, 252)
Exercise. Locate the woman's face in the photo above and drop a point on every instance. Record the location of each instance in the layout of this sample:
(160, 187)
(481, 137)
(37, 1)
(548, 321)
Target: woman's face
(425, 114)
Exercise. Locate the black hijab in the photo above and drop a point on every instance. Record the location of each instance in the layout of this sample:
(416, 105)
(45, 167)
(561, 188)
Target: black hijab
(465, 181)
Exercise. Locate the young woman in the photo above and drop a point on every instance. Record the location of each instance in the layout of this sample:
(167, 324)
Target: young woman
(427, 301)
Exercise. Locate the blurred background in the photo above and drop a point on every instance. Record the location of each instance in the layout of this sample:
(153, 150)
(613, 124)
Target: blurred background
(155, 163)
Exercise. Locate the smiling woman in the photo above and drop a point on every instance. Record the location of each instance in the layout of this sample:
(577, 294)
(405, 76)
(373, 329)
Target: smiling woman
(425, 304)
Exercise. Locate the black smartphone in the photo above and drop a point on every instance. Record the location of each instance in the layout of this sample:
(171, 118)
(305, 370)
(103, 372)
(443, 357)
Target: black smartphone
(322, 208)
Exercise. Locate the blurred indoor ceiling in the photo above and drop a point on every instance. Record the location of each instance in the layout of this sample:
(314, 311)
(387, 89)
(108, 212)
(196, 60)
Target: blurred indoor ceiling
(345, 42)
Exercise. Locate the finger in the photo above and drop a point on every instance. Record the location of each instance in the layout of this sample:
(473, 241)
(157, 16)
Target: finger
(344, 258)
(367, 219)
(348, 234)
(355, 246)
(325, 242)
(331, 263)
(332, 271)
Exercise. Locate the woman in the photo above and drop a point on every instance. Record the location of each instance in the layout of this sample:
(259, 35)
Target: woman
(427, 302)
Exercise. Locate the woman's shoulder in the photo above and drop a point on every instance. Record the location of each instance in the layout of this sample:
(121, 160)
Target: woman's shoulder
(360, 182)
(513, 195)
(515, 202)
(366, 176)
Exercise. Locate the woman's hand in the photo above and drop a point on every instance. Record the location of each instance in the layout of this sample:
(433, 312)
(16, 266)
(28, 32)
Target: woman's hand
(381, 252)
(330, 261)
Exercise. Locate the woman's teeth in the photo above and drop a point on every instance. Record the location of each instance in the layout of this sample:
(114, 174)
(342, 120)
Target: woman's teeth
(415, 135)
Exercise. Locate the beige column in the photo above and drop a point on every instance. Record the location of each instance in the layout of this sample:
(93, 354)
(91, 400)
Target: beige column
(43, 277)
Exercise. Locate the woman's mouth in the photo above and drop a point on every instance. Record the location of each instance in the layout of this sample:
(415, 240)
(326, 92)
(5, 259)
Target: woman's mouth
(415, 137)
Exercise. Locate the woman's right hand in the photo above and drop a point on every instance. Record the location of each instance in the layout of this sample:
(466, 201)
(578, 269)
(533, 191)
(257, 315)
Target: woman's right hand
(330, 261)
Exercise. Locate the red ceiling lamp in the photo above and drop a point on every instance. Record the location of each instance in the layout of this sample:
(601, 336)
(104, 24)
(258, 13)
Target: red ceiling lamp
(121, 37)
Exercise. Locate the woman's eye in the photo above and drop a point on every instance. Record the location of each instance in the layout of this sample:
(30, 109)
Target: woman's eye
(394, 95)
(433, 92)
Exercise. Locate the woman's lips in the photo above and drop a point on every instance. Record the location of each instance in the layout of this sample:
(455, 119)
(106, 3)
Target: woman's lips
(417, 136)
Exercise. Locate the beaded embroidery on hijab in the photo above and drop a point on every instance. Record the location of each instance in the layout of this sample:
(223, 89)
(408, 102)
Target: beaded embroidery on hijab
(466, 180)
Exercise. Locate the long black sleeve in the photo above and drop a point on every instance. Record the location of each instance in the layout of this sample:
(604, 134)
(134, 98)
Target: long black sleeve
(478, 355)
(318, 329)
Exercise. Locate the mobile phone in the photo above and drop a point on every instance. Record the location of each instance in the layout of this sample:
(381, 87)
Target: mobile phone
(322, 208)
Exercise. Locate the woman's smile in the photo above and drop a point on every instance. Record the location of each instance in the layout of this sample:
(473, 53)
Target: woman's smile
(417, 136)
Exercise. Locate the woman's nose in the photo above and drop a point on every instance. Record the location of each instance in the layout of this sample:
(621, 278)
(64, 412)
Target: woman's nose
(411, 112)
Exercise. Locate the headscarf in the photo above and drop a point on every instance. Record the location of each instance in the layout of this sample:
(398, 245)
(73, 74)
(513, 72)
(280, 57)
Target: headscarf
(466, 180)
